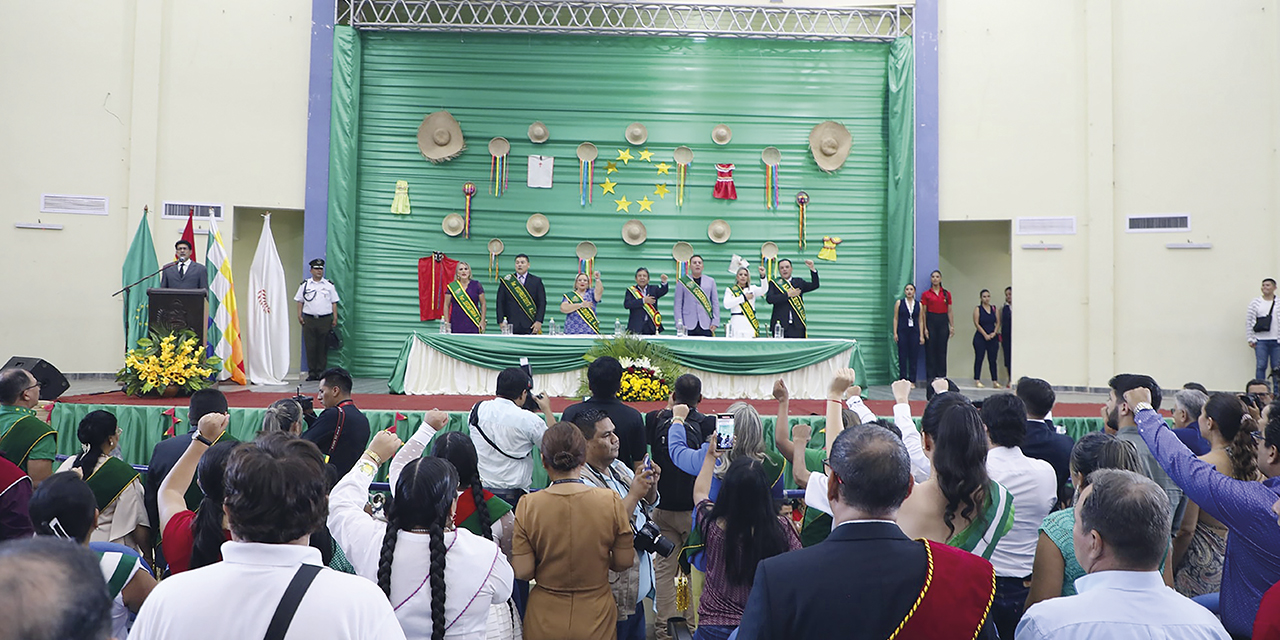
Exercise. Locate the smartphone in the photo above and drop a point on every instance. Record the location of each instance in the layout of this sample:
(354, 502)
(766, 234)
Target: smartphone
(648, 463)
(724, 431)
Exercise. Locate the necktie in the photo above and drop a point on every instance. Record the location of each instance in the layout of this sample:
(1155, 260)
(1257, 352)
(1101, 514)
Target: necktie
(182, 269)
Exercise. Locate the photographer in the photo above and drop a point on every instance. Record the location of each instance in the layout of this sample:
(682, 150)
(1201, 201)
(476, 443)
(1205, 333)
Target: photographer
(603, 469)
(504, 435)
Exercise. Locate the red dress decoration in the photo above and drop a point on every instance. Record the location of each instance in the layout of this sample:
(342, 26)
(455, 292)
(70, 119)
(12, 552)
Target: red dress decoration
(724, 183)
(434, 274)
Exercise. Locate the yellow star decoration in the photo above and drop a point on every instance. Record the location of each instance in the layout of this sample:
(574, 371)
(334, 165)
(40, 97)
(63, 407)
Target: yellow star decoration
(645, 204)
(646, 155)
(663, 168)
(661, 191)
(608, 186)
(624, 204)
(625, 156)
(610, 168)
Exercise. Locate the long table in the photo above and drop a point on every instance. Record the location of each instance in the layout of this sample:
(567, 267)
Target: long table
(466, 364)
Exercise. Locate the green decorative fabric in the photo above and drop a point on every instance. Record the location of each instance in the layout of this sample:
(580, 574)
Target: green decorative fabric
(138, 262)
(900, 227)
(386, 82)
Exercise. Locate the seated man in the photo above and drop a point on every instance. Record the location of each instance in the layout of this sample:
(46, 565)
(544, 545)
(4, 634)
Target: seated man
(1121, 533)
(25, 439)
(868, 579)
(63, 593)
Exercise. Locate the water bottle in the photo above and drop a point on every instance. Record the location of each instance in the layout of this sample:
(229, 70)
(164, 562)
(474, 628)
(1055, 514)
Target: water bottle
(777, 330)
(617, 327)
(551, 327)
(444, 327)
(680, 330)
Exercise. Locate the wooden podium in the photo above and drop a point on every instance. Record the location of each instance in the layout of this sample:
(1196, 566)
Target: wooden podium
(178, 309)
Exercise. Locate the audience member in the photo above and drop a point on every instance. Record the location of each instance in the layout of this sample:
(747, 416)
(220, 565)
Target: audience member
(122, 514)
(674, 512)
(1252, 559)
(504, 435)
(1259, 388)
(1042, 440)
(748, 441)
(568, 537)
(604, 470)
(192, 538)
(868, 579)
(25, 440)
(1035, 492)
(275, 497)
(15, 493)
(1267, 625)
(1120, 534)
(1122, 424)
(430, 570)
(341, 431)
(604, 378)
(1196, 386)
(1188, 404)
(285, 415)
(959, 505)
(737, 531)
(66, 507)
(53, 591)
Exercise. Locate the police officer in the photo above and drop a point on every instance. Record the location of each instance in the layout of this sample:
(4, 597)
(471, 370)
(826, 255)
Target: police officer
(317, 313)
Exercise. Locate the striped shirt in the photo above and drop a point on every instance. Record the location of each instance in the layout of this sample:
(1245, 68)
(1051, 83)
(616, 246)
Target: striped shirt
(118, 569)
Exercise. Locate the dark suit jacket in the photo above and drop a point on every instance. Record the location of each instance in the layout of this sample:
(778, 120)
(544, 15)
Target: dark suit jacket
(195, 278)
(857, 584)
(351, 442)
(510, 311)
(1044, 443)
(638, 321)
(163, 457)
(782, 311)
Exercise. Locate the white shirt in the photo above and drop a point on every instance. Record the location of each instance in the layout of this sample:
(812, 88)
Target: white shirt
(1034, 486)
(516, 432)
(317, 298)
(1258, 308)
(476, 573)
(1120, 605)
(237, 597)
(734, 303)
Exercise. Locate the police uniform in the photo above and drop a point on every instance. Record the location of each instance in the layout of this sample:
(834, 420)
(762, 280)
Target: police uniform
(318, 300)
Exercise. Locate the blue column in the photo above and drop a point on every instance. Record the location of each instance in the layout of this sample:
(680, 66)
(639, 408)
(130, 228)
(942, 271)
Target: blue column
(925, 38)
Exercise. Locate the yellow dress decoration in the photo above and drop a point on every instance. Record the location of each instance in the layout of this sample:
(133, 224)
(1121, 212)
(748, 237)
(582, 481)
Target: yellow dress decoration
(828, 251)
(400, 203)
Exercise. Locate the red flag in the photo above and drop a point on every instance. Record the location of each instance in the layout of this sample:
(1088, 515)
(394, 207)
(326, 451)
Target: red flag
(399, 417)
(189, 234)
(174, 421)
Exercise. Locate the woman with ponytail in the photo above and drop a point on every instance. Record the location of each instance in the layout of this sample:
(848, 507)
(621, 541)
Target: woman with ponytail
(193, 539)
(1201, 542)
(959, 505)
(440, 579)
(285, 415)
(122, 516)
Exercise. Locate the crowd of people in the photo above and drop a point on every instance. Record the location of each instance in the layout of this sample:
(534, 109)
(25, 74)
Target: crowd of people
(982, 522)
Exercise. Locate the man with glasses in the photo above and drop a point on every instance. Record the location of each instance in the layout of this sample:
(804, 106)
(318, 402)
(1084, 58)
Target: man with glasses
(25, 440)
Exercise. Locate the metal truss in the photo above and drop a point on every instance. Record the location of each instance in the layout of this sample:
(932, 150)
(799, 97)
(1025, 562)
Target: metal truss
(774, 22)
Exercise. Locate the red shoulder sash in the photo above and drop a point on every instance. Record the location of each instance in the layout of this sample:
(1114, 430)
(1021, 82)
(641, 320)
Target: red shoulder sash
(957, 594)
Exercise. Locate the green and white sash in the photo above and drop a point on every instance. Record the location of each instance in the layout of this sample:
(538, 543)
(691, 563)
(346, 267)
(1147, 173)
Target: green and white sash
(110, 480)
(464, 301)
(990, 526)
(748, 310)
(20, 431)
(512, 283)
(698, 294)
(587, 314)
(796, 302)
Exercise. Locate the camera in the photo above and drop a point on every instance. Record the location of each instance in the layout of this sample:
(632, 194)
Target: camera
(649, 540)
(307, 402)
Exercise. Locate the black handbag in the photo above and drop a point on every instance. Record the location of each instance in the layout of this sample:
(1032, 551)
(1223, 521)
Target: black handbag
(1263, 323)
(335, 340)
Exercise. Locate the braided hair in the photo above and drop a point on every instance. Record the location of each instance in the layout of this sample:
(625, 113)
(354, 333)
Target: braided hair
(207, 527)
(424, 496)
(95, 429)
(457, 448)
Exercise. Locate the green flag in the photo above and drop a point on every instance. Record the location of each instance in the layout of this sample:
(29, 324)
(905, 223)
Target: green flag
(140, 261)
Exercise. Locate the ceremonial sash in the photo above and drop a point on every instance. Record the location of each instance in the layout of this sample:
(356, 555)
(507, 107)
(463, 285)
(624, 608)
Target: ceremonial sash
(468, 517)
(955, 600)
(985, 530)
(194, 495)
(117, 568)
(521, 295)
(651, 309)
(20, 431)
(110, 480)
(796, 302)
(465, 302)
(587, 314)
(698, 293)
(748, 311)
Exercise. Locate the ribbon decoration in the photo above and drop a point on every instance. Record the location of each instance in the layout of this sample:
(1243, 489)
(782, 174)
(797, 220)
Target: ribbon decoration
(770, 266)
(498, 174)
(682, 172)
(493, 266)
(771, 186)
(468, 189)
(170, 432)
(586, 178)
(802, 199)
(587, 266)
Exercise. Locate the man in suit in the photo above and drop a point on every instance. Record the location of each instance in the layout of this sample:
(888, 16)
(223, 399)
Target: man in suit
(1042, 440)
(522, 301)
(641, 302)
(697, 303)
(184, 273)
(868, 577)
(785, 295)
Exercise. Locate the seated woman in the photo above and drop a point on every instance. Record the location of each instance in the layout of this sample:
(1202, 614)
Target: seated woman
(64, 506)
(193, 539)
(440, 579)
(466, 311)
(959, 505)
(567, 538)
(579, 306)
(122, 518)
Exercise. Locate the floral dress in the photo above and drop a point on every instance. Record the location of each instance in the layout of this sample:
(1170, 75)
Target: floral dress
(573, 323)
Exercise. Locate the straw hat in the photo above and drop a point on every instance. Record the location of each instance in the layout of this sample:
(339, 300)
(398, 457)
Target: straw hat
(440, 137)
(495, 247)
(537, 225)
(587, 152)
(586, 250)
(633, 232)
(499, 147)
(771, 156)
(453, 224)
(637, 133)
(682, 251)
(830, 143)
(769, 250)
(721, 134)
(682, 155)
(538, 133)
(718, 231)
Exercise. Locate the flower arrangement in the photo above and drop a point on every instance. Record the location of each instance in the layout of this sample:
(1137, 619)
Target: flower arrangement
(648, 369)
(170, 363)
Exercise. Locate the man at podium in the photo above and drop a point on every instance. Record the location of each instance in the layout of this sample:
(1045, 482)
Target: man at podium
(184, 273)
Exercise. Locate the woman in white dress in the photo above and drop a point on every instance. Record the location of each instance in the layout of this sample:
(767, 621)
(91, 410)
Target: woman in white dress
(740, 299)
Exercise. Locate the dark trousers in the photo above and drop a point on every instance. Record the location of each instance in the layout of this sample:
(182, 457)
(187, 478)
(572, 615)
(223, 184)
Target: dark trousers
(699, 331)
(935, 346)
(985, 348)
(633, 627)
(315, 340)
(908, 353)
(1007, 606)
(1005, 340)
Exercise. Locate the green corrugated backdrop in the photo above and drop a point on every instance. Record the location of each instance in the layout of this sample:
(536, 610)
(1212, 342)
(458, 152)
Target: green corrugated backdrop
(589, 89)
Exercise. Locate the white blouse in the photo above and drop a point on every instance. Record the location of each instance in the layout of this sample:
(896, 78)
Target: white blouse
(734, 303)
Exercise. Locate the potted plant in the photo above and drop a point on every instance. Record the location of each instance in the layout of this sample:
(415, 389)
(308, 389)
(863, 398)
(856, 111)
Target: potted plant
(167, 365)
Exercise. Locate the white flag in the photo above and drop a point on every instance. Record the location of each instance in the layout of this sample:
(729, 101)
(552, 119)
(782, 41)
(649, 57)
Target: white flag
(268, 343)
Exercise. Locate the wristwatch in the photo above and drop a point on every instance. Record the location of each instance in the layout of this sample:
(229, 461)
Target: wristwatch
(1142, 405)
(200, 438)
